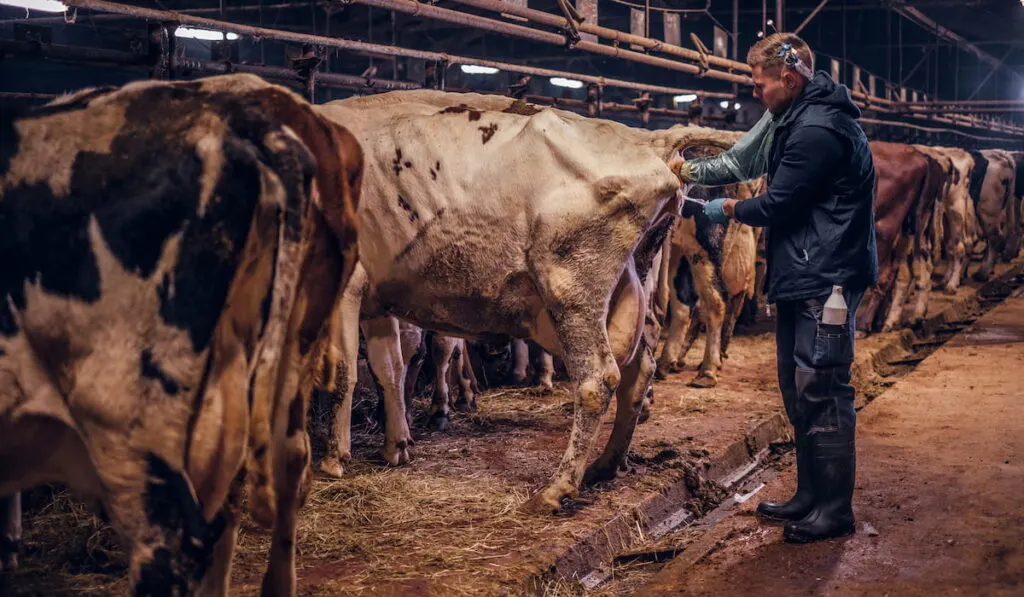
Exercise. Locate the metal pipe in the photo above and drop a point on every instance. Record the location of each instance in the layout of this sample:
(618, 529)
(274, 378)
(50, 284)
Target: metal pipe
(735, 38)
(1008, 102)
(931, 130)
(412, 7)
(358, 46)
(917, 17)
(188, 11)
(780, 12)
(810, 17)
(947, 110)
(78, 54)
(546, 18)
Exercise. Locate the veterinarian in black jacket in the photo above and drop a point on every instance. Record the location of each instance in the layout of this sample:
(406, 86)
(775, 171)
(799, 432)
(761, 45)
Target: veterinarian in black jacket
(819, 215)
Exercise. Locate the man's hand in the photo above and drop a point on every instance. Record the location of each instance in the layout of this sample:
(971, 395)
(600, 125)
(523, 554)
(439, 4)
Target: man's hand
(720, 210)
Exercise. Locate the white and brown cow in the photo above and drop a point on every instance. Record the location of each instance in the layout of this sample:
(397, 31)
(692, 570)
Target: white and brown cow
(992, 192)
(484, 217)
(169, 251)
(955, 219)
(711, 275)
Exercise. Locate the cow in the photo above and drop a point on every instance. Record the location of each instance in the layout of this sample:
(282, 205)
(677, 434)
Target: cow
(489, 218)
(543, 362)
(712, 270)
(1017, 211)
(172, 252)
(907, 187)
(955, 219)
(992, 192)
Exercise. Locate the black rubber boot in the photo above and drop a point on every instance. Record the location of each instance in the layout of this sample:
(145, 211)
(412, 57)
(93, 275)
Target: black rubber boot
(803, 500)
(833, 475)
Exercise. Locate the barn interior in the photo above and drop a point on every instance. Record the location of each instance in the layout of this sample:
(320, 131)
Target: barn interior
(899, 58)
(938, 503)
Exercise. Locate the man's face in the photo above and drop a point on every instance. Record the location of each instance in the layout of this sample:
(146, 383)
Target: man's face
(775, 87)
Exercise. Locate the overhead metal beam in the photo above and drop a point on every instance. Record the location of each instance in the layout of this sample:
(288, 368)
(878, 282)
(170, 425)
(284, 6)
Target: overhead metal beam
(810, 17)
(372, 48)
(918, 18)
(989, 75)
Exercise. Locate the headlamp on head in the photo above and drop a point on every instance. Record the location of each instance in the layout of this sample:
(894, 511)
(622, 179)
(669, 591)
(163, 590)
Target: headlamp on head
(792, 60)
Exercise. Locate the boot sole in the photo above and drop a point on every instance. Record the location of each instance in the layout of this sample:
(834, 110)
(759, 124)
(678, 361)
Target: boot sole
(798, 538)
(771, 518)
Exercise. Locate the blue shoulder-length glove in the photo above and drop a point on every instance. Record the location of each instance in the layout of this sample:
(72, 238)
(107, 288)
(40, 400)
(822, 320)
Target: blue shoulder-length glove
(715, 211)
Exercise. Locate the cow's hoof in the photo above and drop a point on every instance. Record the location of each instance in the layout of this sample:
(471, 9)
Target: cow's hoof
(438, 421)
(703, 380)
(602, 470)
(395, 454)
(980, 276)
(545, 503)
(860, 334)
(9, 563)
(466, 406)
(950, 291)
(660, 374)
(332, 467)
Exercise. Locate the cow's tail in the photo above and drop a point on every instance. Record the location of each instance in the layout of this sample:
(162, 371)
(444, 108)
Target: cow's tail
(924, 213)
(1012, 201)
(294, 167)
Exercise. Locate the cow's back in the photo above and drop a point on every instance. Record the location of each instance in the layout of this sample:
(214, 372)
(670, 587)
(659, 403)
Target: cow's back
(455, 187)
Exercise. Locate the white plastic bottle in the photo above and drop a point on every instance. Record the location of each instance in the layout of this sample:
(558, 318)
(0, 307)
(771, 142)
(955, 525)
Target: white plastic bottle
(835, 308)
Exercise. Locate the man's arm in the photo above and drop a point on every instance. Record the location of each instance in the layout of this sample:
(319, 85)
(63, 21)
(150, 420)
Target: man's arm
(744, 161)
(809, 161)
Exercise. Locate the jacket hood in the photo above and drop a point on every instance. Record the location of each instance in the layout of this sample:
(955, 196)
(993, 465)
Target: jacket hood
(822, 90)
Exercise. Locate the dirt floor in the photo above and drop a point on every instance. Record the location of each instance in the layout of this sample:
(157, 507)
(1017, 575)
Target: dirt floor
(448, 524)
(939, 490)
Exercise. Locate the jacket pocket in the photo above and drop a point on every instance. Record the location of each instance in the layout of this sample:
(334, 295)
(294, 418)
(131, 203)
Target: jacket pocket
(833, 346)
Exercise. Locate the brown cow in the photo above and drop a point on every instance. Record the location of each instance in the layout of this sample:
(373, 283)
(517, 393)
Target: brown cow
(171, 255)
(907, 186)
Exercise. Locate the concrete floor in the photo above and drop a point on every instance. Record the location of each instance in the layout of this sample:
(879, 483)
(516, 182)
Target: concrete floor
(940, 478)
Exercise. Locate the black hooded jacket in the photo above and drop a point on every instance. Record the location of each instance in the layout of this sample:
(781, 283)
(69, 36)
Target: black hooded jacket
(819, 208)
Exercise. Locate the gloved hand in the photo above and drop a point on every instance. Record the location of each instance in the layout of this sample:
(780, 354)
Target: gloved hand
(680, 168)
(715, 211)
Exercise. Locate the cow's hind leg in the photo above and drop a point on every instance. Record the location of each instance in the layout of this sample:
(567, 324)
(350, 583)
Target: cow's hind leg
(520, 361)
(678, 342)
(413, 357)
(894, 312)
(582, 332)
(217, 579)
(442, 348)
(344, 332)
(545, 369)
(384, 355)
(732, 314)
(465, 377)
(712, 311)
(630, 399)
(292, 480)
(10, 536)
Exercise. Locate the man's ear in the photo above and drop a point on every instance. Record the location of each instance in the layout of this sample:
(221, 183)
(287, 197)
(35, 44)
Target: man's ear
(789, 79)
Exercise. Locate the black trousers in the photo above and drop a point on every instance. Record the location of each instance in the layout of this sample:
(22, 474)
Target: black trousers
(814, 361)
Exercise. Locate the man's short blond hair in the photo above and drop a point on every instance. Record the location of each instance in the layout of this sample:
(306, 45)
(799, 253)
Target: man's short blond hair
(765, 53)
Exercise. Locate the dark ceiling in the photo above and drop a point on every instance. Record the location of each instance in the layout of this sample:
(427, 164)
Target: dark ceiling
(863, 32)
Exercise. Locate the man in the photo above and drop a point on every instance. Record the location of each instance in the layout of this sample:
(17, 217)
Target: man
(819, 214)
